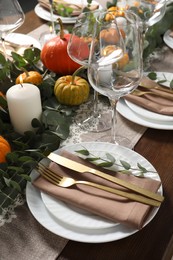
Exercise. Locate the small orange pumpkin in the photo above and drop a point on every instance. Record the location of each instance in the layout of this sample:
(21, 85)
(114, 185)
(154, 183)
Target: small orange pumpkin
(4, 149)
(32, 77)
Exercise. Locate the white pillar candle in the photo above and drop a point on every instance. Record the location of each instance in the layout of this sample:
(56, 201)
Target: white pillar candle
(24, 104)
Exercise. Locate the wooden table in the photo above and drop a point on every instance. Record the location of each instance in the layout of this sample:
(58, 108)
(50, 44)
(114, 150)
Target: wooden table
(153, 241)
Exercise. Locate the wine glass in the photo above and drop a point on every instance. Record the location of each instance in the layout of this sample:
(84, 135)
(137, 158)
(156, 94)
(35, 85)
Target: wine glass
(149, 11)
(78, 49)
(110, 74)
(11, 17)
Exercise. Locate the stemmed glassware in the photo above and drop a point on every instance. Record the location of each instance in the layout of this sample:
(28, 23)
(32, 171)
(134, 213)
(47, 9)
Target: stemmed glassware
(11, 17)
(149, 11)
(110, 74)
(78, 49)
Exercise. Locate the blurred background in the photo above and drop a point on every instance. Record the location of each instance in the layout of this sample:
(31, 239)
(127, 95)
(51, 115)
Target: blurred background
(27, 5)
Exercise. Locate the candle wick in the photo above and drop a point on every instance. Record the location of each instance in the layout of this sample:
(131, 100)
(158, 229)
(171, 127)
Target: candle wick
(21, 85)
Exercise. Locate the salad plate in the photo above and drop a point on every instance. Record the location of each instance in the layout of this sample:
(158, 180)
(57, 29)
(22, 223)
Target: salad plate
(59, 222)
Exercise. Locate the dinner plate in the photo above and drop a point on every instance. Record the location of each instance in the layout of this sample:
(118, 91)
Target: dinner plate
(45, 14)
(128, 113)
(22, 39)
(167, 39)
(73, 232)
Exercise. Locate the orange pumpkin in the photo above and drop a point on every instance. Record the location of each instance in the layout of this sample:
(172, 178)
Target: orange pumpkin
(32, 77)
(55, 57)
(111, 35)
(4, 149)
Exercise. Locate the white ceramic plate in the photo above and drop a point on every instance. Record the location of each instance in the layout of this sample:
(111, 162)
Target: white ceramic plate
(149, 115)
(167, 39)
(45, 14)
(126, 112)
(66, 230)
(22, 39)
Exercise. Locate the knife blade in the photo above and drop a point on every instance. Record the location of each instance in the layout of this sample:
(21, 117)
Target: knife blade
(78, 167)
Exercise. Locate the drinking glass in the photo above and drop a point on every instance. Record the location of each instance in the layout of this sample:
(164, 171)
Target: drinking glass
(149, 11)
(109, 74)
(78, 49)
(11, 17)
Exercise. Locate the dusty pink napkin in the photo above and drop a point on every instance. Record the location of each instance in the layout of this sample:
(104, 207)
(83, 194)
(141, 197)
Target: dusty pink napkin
(155, 103)
(99, 202)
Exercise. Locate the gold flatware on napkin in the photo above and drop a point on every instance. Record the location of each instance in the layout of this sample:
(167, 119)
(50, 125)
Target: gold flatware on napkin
(78, 167)
(67, 182)
(150, 84)
(155, 97)
(99, 202)
(138, 92)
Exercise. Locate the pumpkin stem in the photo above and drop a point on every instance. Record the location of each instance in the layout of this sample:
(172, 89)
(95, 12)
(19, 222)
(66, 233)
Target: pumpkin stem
(26, 72)
(61, 28)
(76, 72)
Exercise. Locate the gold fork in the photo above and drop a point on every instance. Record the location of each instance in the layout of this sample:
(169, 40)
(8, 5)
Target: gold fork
(66, 182)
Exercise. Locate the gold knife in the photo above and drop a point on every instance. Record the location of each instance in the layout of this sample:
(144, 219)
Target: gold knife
(78, 167)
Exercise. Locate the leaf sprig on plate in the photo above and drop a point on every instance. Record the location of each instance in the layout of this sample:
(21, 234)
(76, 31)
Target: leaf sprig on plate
(119, 165)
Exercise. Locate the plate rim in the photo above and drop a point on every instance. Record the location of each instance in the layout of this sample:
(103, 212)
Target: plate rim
(88, 237)
(36, 42)
(167, 39)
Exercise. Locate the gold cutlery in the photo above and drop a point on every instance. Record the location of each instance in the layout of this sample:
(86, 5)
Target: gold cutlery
(162, 94)
(150, 84)
(78, 167)
(66, 182)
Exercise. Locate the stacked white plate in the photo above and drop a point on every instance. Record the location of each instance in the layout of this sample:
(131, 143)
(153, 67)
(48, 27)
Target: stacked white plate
(143, 116)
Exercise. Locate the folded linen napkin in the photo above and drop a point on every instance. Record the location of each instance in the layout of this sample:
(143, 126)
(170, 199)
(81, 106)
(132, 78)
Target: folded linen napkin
(76, 5)
(155, 103)
(102, 203)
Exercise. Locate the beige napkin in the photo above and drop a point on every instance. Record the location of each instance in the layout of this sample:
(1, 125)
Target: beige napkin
(76, 5)
(107, 205)
(155, 103)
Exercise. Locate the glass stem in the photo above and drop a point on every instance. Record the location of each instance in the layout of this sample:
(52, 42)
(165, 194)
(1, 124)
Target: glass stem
(96, 113)
(114, 120)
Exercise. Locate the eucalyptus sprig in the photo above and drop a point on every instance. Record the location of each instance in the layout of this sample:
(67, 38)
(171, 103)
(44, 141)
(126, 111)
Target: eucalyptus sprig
(153, 76)
(109, 160)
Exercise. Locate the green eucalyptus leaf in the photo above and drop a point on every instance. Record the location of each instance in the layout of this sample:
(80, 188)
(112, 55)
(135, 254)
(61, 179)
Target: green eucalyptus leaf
(4, 174)
(92, 159)
(141, 168)
(152, 75)
(110, 158)
(26, 177)
(83, 152)
(125, 164)
(15, 185)
(105, 164)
